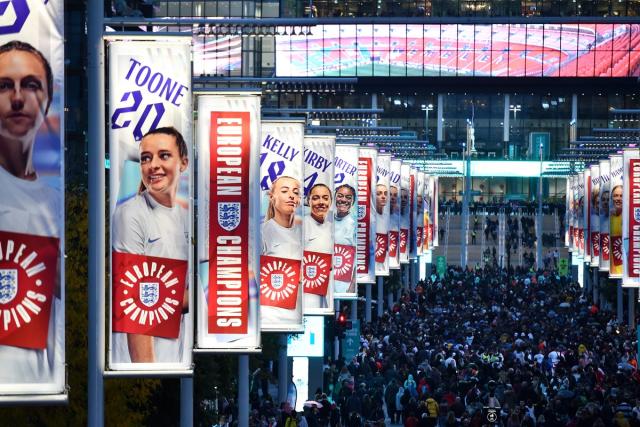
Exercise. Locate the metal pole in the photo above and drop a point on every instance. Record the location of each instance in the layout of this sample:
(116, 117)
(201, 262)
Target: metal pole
(186, 402)
(243, 390)
(367, 303)
(96, 149)
(465, 206)
(283, 367)
(380, 308)
(354, 309)
(390, 300)
(336, 340)
(631, 308)
(540, 263)
(619, 305)
(595, 285)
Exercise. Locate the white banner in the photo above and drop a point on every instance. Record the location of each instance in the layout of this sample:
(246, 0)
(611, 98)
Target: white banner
(346, 218)
(434, 211)
(32, 270)
(631, 219)
(585, 235)
(420, 234)
(594, 215)
(605, 186)
(413, 207)
(318, 220)
(615, 216)
(567, 210)
(366, 218)
(383, 173)
(394, 215)
(282, 195)
(575, 203)
(150, 141)
(405, 172)
(228, 221)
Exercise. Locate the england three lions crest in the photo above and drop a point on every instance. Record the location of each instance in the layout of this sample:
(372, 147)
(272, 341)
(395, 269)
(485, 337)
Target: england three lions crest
(8, 285)
(149, 293)
(279, 282)
(229, 215)
(636, 214)
(317, 271)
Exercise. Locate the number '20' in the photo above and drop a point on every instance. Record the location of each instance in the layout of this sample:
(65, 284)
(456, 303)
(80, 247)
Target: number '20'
(123, 116)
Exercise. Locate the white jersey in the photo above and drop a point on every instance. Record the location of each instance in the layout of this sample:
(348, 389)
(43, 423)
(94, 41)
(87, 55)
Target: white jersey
(318, 237)
(32, 207)
(345, 229)
(142, 226)
(282, 242)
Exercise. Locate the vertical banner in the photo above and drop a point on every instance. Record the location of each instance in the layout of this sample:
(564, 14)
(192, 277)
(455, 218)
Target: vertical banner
(420, 212)
(615, 216)
(631, 219)
(366, 218)
(282, 192)
(581, 214)
(394, 215)
(317, 275)
(567, 209)
(383, 211)
(228, 221)
(586, 212)
(434, 212)
(346, 217)
(413, 224)
(32, 341)
(605, 181)
(575, 236)
(150, 140)
(594, 215)
(428, 226)
(405, 173)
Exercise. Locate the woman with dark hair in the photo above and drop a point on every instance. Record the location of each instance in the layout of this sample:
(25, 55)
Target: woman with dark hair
(153, 223)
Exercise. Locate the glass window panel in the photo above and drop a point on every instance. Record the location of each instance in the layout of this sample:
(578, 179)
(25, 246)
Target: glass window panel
(415, 50)
(331, 49)
(397, 50)
(364, 34)
(299, 52)
(348, 51)
(270, 9)
(380, 58)
(315, 58)
(235, 9)
(431, 45)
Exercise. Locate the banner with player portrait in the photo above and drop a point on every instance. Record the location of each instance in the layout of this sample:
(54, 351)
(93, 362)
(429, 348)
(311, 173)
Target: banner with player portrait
(581, 214)
(594, 212)
(405, 173)
(605, 181)
(575, 198)
(394, 214)
(32, 270)
(366, 219)
(317, 275)
(150, 139)
(413, 224)
(383, 173)
(282, 195)
(567, 208)
(420, 185)
(345, 220)
(228, 144)
(586, 174)
(631, 218)
(616, 196)
(428, 228)
(434, 211)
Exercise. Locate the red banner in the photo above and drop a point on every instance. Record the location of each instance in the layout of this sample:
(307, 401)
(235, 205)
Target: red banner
(595, 244)
(419, 233)
(279, 281)
(604, 246)
(343, 262)
(148, 294)
(382, 241)
(365, 169)
(28, 277)
(404, 238)
(393, 244)
(616, 251)
(230, 146)
(633, 231)
(316, 272)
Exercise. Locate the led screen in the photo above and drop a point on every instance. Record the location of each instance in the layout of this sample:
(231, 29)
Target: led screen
(501, 50)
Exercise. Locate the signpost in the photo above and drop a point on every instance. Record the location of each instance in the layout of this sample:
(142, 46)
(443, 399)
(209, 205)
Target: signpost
(441, 266)
(351, 341)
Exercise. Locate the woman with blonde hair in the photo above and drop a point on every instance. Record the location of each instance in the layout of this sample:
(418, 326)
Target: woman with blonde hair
(281, 235)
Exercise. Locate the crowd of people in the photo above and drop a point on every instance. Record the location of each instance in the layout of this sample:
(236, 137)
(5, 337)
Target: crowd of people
(527, 346)
(454, 206)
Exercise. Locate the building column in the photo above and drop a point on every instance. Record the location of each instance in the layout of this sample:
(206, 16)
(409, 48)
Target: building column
(440, 123)
(505, 127)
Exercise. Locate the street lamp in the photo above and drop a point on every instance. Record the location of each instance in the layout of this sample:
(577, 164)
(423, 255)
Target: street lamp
(515, 109)
(426, 109)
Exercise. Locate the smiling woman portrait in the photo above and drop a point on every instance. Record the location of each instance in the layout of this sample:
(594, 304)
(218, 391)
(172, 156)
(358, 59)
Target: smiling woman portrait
(153, 223)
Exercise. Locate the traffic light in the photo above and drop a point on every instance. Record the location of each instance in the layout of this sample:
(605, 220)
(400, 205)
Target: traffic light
(341, 325)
